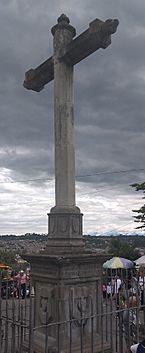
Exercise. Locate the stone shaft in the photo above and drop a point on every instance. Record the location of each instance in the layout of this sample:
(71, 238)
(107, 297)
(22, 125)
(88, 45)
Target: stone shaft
(63, 120)
(65, 219)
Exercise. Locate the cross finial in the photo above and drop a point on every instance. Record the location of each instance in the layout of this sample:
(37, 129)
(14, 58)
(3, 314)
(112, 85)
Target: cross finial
(63, 18)
(63, 22)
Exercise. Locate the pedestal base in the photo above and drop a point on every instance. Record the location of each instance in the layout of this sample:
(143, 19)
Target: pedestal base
(68, 299)
(65, 231)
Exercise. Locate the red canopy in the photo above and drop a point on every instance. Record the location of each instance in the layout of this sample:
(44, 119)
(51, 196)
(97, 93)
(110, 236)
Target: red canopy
(4, 266)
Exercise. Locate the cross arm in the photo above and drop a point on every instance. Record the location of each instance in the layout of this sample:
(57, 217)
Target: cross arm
(97, 36)
(36, 79)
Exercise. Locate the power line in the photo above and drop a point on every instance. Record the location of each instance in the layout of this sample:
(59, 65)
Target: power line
(77, 176)
(111, 172)
(123, 226)
(26, 180)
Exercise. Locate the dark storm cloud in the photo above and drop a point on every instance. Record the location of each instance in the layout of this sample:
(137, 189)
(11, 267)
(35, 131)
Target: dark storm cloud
(109, 93)
(112, 117)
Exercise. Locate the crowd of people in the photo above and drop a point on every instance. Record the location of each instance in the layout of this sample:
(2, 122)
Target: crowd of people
(15, 284)
(128, 295)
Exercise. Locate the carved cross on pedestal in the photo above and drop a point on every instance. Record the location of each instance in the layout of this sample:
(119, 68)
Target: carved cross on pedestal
(65, 219)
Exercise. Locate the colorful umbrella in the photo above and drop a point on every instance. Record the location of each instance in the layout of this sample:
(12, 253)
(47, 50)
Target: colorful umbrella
(118, 262)
(140, 261)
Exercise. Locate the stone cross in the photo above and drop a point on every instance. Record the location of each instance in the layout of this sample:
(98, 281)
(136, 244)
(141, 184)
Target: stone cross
(65, 219)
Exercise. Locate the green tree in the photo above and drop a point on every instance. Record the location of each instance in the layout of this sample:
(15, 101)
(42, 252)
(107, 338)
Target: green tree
(7, 257)
(121, 248)
(141, 211)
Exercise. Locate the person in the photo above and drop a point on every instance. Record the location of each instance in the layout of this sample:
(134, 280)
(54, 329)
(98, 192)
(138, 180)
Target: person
(141, 287)
(21, 284)
(15, 289)
(130, 321)
(104, 290)
(109, 290)
(117, 288)
(120, 306)
(23, 281)
(137, 348)
(117, 285)
(28, 283)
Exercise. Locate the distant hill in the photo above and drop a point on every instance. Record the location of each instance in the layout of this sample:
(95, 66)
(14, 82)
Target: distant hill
(92, 240)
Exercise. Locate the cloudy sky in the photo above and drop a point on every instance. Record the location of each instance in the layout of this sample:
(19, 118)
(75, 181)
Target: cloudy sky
(109, 116)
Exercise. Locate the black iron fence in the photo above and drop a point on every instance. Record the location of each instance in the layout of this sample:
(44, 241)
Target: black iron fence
(117, 324)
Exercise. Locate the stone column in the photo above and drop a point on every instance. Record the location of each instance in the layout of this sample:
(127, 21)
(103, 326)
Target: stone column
(65, 219)
(63, 33)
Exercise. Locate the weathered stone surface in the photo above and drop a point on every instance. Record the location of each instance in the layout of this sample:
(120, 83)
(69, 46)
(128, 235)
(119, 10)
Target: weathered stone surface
(97, 36)
(39, 343)
(68, 288)
(36, 79)
(67, 277)
(64, 232)
(65, 219)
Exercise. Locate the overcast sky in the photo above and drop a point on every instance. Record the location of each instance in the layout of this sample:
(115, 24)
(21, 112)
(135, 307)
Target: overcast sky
(109, 116)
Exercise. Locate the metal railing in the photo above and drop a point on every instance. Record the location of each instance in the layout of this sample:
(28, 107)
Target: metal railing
(118, 324)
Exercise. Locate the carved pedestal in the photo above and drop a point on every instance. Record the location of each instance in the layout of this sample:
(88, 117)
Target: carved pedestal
(68, 298)
(64, 231)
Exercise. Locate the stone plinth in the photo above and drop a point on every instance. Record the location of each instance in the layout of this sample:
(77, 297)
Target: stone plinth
(68, 288)
(64, 231)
